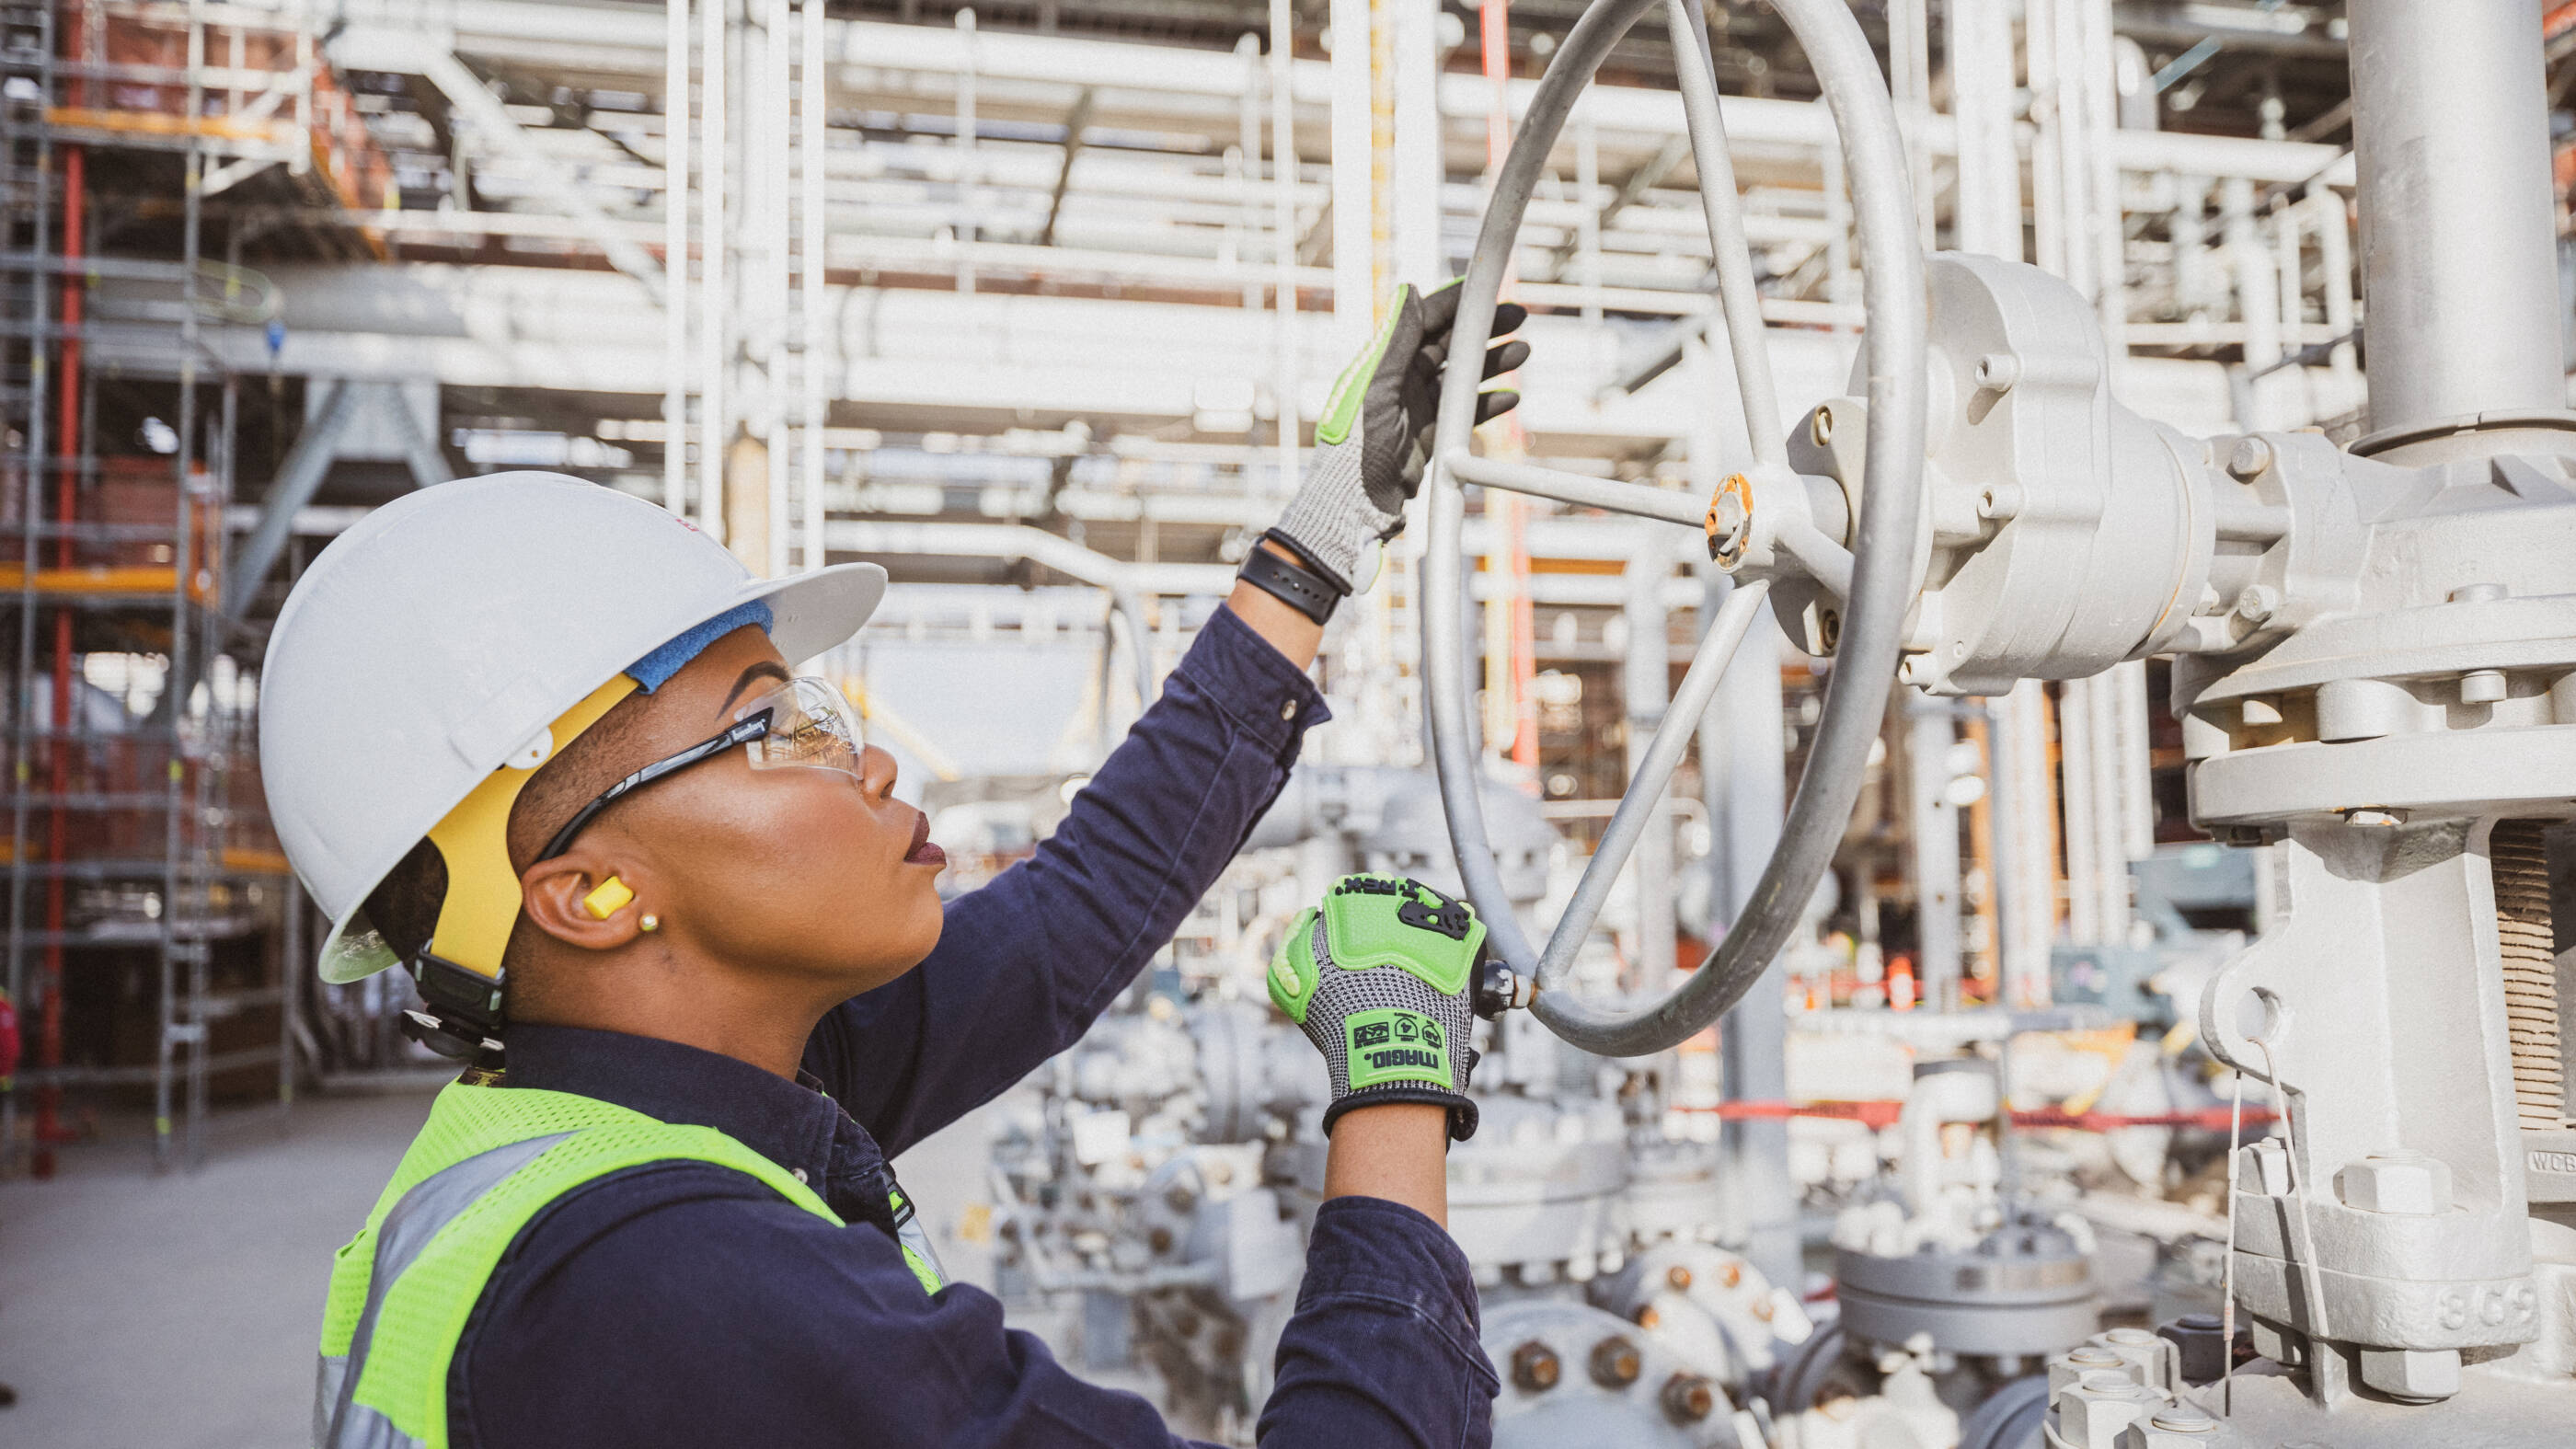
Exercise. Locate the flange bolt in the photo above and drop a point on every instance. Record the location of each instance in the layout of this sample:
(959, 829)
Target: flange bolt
(1535, 1367)
(1615, 1363)
(2247, 460)
(1688, 1398)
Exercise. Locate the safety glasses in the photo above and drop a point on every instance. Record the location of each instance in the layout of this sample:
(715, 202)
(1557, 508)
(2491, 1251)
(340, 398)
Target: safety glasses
(802, 722)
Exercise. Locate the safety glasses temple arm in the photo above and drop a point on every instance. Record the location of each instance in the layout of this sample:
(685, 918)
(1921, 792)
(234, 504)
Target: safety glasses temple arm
(743, 733)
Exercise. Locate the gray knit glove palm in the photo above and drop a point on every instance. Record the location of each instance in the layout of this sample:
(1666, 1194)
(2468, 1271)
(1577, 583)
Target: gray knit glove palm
(1379, 977)
(1375, 436)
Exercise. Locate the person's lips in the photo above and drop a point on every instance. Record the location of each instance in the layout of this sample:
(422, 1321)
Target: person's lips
(923, 852)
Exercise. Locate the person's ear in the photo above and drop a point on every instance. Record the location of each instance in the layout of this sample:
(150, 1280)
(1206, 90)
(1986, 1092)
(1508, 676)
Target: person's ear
(586, 900)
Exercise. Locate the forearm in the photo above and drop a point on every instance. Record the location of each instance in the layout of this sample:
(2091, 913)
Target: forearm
(1398, 1152)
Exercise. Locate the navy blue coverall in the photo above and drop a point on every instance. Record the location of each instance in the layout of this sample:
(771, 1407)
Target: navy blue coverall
(685, 1304)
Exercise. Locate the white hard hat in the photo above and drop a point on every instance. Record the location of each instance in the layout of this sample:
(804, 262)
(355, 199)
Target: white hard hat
(443, 634)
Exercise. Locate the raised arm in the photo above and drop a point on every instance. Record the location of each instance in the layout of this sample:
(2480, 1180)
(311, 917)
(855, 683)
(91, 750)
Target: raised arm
(1026, 963)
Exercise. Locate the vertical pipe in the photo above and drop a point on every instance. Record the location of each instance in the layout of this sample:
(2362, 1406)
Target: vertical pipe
(2075, 770)
(2334, 265)
(1983, 865)
(778, 138)
(1745, 783)
(1381, 149)
(675, 256)
(814, 87)
(182, 901)
(1519, 654)
(75, 446)
(1352, 159)
(1587, 236)
(1283, 227)
(970, 219)
(1242, 169)
(2098, 92)
(715, 316)
(1419, 169)
(1988, 216)
(2109, 754)
(2460, 271)
(1935, 827)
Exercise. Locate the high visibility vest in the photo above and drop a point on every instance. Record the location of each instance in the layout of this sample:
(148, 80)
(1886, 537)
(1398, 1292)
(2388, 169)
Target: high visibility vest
(487, 1161)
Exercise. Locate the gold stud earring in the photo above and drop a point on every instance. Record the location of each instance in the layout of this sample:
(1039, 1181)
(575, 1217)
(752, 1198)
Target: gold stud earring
(649, 924)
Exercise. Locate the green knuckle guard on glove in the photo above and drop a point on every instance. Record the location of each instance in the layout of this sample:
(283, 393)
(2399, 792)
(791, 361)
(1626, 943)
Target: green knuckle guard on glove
(1380, 978)
(1374, 439)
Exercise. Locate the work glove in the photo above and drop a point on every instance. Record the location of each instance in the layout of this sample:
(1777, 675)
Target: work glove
(1375, 437)
(1379, 977)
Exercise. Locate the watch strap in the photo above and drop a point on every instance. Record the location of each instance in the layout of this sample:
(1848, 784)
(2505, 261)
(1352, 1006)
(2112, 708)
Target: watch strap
(1290, 583)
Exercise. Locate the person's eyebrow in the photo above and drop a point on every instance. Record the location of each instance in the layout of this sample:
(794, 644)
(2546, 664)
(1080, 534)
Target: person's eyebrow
(765, 669)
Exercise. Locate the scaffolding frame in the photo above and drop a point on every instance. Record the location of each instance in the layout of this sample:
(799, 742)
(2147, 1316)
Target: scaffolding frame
(195, 885)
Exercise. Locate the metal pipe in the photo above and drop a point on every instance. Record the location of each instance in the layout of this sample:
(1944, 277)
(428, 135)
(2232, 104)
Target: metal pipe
(1283, 242)
(1935, 823)
(715, 314)
(2460, 276)
(814, 85)
(675, 257)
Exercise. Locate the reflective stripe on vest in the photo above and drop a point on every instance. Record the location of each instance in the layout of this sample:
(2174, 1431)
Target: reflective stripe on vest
(488, 1160)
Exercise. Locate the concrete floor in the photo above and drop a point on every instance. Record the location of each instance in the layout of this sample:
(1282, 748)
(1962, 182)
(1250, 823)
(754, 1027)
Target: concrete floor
(181, 1310)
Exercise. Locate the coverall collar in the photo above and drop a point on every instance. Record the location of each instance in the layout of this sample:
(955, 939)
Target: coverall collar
(794, 1124)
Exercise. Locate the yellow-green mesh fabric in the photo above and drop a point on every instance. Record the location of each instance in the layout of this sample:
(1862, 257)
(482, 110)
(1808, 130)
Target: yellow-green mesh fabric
(463, 1122)
(425, 1310)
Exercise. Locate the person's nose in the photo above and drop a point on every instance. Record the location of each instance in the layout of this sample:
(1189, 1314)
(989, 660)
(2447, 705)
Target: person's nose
(876, 773)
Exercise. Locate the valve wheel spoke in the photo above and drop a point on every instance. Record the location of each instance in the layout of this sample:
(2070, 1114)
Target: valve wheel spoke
(1609, 494)
(1729, 251)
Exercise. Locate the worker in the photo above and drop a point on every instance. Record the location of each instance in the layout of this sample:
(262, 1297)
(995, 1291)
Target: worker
(539, 745)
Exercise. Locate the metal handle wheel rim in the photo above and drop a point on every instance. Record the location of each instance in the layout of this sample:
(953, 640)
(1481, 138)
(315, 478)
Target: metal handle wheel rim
(1881, 562)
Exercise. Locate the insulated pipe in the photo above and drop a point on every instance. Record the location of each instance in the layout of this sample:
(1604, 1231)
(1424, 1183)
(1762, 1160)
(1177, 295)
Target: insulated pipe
(2459, 273)
(1893, 288)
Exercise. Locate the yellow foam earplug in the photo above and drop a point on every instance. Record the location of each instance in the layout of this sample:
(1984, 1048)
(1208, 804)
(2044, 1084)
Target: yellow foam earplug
(610, 898)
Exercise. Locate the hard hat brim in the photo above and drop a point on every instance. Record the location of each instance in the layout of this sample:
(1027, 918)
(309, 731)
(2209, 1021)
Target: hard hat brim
(811, 612)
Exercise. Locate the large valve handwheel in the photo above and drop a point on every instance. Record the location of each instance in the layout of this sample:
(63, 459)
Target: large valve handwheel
(1874, 579)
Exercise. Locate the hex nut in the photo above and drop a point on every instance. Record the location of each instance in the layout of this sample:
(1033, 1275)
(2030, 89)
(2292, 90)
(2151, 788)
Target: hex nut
(2374, 816)
(2415, 1375)
(2070, 1367)
(1688, 1398)
(2093, 1410)
(2175, 1426)
(2149, 1359)
(1679, 1277)
(1535, 1367)
(2400, 1181)
(1616, 1363)
(2200, 1346)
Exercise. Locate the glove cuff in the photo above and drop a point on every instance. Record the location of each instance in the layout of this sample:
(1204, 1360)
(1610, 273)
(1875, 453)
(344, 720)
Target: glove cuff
(1462, 1110)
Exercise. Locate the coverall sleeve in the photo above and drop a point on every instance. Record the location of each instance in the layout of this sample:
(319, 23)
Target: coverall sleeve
(716, 1313)
(1024, 964)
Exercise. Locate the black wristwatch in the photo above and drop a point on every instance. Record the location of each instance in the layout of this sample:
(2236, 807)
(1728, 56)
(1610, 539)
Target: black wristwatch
(1303, 585)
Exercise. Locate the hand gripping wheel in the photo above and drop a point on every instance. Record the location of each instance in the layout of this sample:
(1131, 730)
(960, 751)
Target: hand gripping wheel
(1874, 581)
